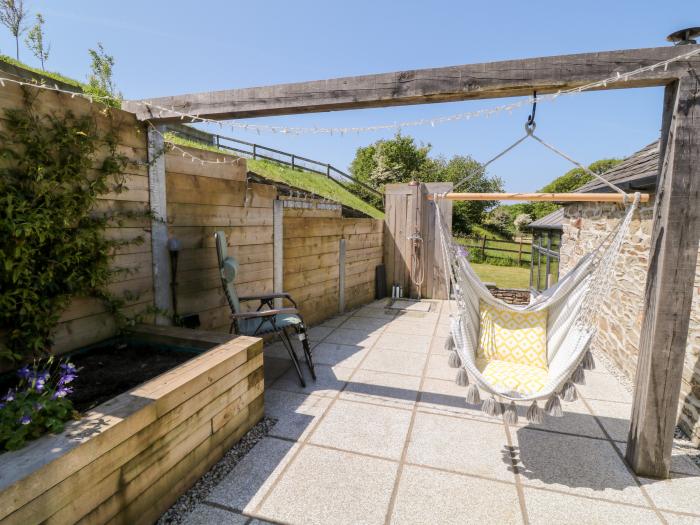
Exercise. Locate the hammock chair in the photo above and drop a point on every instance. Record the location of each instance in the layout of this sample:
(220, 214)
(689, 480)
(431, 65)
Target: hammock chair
(529, 353)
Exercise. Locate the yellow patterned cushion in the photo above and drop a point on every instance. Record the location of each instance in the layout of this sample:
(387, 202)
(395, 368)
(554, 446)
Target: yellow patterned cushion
(515, 337)
(511, 376)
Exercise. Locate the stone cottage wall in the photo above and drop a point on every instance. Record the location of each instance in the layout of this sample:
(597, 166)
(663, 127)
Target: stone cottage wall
(620, 317)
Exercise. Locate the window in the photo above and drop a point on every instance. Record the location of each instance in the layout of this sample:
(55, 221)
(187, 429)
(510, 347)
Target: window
(544, 264)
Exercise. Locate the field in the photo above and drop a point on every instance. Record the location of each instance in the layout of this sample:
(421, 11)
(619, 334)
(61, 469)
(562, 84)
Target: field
(503, 276)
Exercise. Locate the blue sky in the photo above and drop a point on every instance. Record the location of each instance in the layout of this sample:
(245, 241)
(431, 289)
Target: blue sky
(166, 47)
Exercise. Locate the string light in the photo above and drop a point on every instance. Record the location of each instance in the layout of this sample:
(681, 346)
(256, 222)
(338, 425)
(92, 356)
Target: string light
(258, 128)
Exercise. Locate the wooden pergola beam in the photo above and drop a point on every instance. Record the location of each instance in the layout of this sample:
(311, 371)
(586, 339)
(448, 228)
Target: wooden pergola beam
(541, 197)
(445, 84)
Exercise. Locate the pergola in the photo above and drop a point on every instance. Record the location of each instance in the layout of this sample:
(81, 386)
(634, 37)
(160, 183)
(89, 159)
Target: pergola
(676, 227)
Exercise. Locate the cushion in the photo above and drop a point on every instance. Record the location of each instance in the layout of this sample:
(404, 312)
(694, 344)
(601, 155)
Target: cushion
(259, 327)
(510, 376)
(514, 337)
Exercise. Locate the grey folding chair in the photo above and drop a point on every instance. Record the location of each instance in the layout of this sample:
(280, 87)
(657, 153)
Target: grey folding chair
(266, 319)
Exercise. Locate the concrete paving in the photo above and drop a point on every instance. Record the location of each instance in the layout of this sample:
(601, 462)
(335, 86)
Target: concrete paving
(384, 436)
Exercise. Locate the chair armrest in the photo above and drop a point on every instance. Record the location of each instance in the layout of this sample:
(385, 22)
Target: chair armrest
(267, 297)
(264, 313)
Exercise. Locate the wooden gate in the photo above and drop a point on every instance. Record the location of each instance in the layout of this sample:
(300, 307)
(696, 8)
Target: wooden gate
(409, 225)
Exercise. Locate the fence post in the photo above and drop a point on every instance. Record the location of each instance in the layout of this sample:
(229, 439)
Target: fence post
(328, 171)
(254, 152)
(483, 247)
(277, 249)
(520, 251)
(292, 161)
(341, 276)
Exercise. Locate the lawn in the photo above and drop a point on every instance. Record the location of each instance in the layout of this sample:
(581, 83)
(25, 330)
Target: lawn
(304, 180)
(503, 276)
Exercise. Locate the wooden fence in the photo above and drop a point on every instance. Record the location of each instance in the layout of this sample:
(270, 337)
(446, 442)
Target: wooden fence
(519, 252)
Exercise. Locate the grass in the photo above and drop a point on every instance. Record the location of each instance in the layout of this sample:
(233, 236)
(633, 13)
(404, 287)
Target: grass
(49, 74)
(303, 180)
(503, 276)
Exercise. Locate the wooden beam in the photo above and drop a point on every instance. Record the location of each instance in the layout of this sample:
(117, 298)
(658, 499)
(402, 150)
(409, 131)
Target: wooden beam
(278, 249)
(162, 292)
(508, 78)
(669, 286)
(540, 197)
(341, 275)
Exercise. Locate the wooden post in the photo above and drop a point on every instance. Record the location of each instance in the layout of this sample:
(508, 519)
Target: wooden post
(162, 292)
(278, 249)
(669, 286)
(520, 251)
(483, 247)
(292, 161)
(341, 276)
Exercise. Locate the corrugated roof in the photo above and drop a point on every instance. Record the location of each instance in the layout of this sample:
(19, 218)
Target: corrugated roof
(637, 172)
(553, 221)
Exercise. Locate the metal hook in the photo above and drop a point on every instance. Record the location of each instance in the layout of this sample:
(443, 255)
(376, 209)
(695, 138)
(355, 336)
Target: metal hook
(531, 118)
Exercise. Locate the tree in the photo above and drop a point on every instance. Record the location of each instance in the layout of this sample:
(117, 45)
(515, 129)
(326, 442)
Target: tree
(100, 81)
(35, 41)
(400, 159)
(12, 14)
(521, 221)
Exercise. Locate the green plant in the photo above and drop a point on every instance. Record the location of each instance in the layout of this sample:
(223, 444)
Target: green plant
(12, 14)
(35, 41)
(51, 247)
(100, 82)
(37, 404)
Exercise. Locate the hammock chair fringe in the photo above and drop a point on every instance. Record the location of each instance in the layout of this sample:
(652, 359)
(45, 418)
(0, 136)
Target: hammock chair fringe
(588, 363)
(511, 414)
(535, 414)
(473, 397)
(578, 377)
(568, 392)
(491, 407)
(462, 378)
(454, 360)
(553, 407)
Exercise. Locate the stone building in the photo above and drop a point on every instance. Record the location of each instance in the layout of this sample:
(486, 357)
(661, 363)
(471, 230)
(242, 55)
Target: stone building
(582, 226)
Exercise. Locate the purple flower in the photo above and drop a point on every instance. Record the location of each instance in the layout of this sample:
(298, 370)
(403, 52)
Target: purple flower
(25, 420)
(24, 372)
(38, 406)
(67, 367)
(10, 396)
(2, 405)
(43, 376)
(62, 392)
(39, 385)
(66, 378)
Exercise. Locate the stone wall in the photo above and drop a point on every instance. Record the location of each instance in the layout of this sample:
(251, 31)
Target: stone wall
(619, 320)
(511, 295)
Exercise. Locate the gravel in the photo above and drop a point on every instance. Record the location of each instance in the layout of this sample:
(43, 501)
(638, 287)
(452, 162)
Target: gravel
(681, 443)
(200, 490)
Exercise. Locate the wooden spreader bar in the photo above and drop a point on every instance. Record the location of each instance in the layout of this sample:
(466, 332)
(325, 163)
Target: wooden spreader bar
(542, 197)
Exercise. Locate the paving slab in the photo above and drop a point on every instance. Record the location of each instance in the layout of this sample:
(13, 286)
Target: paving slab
(274, 367)
(680, 462)
(546, 507)
(579, 465)
(370, 325)
(335, 321)
(363, 428)
(382, 388)
(404, 342)
(346, 336)
(375, 312)
(459, 445)
(204, 514)
(395, 362)
(325, 486)
(431, 496)
(614, 416)
(439, 369)
(675, 494)
(448, 398)
(576, 420)
(329, 380)
(295, 413)
(680, 519)
(243, 488)
(417, 327)
(604, 387)
(334, 354)
(319, 333)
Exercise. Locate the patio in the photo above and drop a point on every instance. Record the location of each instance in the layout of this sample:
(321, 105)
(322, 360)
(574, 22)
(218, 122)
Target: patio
(384, 436)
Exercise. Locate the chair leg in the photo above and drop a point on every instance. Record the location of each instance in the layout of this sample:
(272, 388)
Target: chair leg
(295, 360)
(307, 350)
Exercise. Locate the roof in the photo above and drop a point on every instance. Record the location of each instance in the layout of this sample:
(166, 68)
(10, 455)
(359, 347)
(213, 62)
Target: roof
(553, 221)
(637, 172)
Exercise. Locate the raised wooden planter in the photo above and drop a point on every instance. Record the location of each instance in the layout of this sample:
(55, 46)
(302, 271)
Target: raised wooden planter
(130, 458)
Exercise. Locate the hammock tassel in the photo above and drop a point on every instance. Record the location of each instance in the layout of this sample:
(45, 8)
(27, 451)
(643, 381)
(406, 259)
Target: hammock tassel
(454, 361)
(553, 407)
(579, 377)
(473, 397)
(491, 407)
(535, 414)
(588, 362)
(511, 414)
(449, 343)
(568, 392)
(462, 377)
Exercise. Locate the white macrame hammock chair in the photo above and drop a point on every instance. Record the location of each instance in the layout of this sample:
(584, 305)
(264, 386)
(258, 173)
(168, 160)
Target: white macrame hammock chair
(571, 306)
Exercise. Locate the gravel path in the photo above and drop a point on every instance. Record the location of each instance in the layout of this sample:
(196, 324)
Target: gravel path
(200, 490)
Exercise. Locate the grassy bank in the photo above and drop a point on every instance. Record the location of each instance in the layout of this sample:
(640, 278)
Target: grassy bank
(503, 276)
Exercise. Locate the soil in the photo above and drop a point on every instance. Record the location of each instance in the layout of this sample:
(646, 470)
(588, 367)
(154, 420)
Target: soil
(106, 372)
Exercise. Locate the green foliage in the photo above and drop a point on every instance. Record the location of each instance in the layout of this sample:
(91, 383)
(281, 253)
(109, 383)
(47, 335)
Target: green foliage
(401, 160)
(38, 404)
(51, 247)
(35, 41)
(50, 74)
(100, 82)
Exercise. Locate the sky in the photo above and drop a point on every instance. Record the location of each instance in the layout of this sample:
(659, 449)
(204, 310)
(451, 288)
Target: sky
(169, 47)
